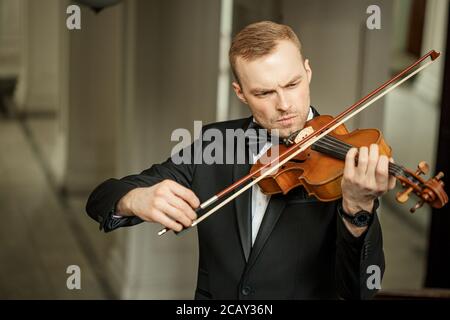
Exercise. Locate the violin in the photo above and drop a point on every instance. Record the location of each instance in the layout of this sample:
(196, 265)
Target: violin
(324, 142)
(319, 168)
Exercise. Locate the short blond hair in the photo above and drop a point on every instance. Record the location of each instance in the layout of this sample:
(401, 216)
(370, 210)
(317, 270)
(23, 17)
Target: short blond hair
(259, 39)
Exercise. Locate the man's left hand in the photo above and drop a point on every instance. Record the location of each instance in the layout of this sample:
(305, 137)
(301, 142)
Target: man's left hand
(364, 180)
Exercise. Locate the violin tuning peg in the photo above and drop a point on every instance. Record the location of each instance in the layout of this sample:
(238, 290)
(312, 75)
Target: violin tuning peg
(422, 168)
(417, 206)
(403, 196)
(439, 176)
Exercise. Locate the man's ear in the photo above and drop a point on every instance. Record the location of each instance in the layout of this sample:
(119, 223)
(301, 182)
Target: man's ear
(308, 70)
(238, 90)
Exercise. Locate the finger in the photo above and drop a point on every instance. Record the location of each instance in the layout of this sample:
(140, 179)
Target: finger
(185, 194)
(363, 158)
(349, 168)
(373, 160)
(392, 182)
(392, 179)
(179, 203)
(167, 222)
(176, 214)
(382, 174)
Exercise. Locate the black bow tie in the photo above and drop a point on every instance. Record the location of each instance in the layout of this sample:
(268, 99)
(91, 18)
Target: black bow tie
(257, 137)
(258, 134)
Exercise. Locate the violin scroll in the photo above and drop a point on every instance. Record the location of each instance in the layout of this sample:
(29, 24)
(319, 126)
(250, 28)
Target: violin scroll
(429, 191)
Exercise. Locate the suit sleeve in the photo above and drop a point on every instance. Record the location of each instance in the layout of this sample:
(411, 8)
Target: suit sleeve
(103, 199)
(359, 261)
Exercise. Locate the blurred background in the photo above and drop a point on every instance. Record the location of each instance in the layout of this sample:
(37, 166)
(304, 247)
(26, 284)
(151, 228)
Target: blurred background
(80, 106)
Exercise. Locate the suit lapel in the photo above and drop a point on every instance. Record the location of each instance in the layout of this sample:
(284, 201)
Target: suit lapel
(243, 207)
(243, 203)
(276, 205)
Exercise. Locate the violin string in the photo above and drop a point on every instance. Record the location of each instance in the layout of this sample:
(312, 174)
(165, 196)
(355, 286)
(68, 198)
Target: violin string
(339, 149)
(394, 169)
(398, 169)
(334, 147)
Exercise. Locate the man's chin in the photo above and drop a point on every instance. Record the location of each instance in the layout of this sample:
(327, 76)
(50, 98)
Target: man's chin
(284, 133)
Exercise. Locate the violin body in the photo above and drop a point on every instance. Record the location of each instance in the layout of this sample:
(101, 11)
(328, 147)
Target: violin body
(319, 172)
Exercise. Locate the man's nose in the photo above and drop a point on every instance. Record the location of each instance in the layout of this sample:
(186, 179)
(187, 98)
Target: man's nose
(282, 103)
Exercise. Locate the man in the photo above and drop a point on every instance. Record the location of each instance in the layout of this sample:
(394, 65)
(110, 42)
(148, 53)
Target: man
(259, 247)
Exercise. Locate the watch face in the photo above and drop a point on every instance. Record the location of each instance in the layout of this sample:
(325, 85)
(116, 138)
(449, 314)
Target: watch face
(362, 219)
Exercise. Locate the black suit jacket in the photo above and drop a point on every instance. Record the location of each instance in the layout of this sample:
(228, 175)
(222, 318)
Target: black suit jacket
(302, 250)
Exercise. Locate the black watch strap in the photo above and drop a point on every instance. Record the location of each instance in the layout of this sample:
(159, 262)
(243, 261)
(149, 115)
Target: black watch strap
(361, 218)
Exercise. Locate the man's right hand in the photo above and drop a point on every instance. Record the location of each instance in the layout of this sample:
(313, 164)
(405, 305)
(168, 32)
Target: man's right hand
(168, 203)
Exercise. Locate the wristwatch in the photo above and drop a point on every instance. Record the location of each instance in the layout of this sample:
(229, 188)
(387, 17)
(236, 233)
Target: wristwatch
(361, 218)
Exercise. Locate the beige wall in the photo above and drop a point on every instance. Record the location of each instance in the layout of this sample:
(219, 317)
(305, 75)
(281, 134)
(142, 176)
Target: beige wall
(411, 123)
(347, 59)
(171, 80)
(10, 37)
(95, 71)
(37, 89)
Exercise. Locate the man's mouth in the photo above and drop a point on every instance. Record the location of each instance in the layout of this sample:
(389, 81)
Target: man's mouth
(287, 120)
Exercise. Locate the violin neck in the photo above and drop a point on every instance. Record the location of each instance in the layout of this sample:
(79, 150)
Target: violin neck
(338, 149)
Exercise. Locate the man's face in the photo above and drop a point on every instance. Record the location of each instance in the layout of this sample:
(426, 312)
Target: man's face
(276, 88)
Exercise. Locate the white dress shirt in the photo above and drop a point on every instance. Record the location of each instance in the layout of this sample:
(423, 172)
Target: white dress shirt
(259, 199)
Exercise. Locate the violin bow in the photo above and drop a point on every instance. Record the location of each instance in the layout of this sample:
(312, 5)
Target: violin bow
(309, 140)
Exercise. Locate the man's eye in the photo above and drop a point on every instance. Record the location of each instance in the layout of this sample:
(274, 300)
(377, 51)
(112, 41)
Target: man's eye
(262, 94)
(292, 85)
